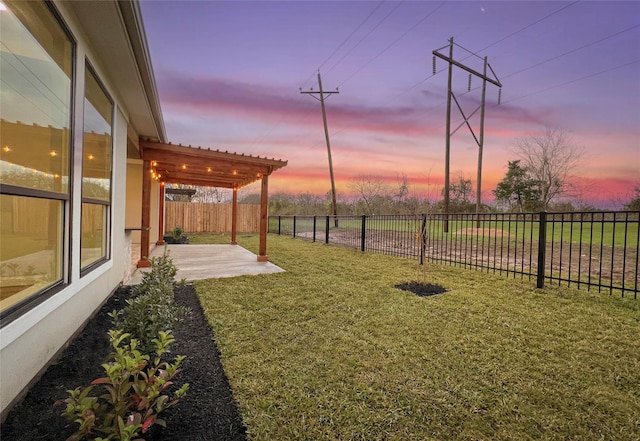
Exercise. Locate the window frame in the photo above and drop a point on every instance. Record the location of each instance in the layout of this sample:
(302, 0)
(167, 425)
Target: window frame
(87, 200)
(18, 309)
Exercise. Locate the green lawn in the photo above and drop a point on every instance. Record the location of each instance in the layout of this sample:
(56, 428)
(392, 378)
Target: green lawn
(330, 350)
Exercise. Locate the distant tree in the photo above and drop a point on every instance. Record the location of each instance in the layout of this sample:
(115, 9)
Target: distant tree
(550, 158)
(518, 189)
(460, 192)
(308, 204)
(402, 192)
(634, 202)
(371, 190)
(212, 195)
(250, 198)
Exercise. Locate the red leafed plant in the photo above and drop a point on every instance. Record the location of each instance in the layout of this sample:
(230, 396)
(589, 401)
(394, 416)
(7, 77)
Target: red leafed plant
(135, 392)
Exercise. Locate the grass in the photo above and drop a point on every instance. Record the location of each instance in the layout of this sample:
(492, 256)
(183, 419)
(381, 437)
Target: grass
(329, 350)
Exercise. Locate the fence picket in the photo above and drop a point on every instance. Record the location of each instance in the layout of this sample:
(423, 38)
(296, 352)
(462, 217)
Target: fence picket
(196, 217)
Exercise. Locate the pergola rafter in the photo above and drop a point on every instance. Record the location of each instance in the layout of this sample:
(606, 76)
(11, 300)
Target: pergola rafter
(178, 164)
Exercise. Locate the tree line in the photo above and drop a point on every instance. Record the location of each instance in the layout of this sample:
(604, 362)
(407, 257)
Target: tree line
(540, 177)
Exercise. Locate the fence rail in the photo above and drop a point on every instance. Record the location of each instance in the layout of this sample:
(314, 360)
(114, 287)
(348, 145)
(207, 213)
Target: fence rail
(592, 250)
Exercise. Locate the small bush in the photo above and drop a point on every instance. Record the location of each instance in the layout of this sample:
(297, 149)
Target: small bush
(152, 308)
(177, 234)
(135, 392)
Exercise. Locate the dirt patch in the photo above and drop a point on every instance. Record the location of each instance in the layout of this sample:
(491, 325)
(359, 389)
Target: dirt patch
(421, 289)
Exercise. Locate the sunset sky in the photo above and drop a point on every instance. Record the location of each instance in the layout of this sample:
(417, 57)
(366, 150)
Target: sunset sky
(229, 76)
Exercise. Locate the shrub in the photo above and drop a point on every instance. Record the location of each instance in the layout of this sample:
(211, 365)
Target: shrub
(177, 234)
(152, 308)
(135, 392)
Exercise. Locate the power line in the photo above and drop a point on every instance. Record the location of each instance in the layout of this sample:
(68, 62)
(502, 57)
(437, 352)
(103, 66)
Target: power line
(563, 54)
(529, 25)
(364, 37)
(393, 43)
(501, 39)
(566, 83)
(572, 51)
(342, 44)
(351, 35)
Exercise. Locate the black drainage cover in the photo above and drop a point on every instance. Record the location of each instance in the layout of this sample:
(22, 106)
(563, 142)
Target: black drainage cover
(421, 289)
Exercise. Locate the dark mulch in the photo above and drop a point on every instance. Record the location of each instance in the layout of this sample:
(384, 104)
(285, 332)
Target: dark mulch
(208, 412)
(421, 289)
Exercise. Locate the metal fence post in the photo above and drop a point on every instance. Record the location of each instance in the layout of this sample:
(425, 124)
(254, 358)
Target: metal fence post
(294, 226)
(423, 238)
(326, 231)
(279, 224)
(314, 228)
(542, 249)
(364, 232)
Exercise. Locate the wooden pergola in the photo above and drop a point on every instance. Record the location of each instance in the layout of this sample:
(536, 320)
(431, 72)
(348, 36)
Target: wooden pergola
(177, 164)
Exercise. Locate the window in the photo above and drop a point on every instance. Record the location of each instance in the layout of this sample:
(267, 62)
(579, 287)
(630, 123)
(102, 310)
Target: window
(96, 172)
(36, 67)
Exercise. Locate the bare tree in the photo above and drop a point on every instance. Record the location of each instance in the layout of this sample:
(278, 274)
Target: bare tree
(550, 158)
(369, 188)
(212, 195)
(403, 188)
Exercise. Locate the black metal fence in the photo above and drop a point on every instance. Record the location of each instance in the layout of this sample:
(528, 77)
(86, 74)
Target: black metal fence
(592, 250)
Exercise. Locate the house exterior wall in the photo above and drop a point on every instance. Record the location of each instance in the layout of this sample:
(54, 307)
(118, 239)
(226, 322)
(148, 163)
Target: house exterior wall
(29, 342)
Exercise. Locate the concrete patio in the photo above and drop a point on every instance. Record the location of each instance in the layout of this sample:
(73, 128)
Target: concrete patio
(197, 262)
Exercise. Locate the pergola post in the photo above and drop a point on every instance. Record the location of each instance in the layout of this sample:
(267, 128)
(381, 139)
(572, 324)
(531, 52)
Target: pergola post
(146, 215)
(161, 217)
(264, 217)
(234, 217)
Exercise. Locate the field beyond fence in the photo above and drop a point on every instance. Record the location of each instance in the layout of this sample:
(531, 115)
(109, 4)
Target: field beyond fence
(592, 250)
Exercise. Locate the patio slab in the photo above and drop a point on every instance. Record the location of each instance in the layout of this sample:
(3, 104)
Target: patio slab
(197, 262)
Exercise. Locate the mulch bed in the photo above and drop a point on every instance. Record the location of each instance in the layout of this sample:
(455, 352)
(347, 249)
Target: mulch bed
(421, 289)
(207, 412)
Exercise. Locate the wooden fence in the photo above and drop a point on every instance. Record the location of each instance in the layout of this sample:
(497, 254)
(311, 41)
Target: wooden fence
(196, 217)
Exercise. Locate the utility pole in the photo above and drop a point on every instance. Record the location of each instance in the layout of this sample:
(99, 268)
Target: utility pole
(479, 139)
(326, 135)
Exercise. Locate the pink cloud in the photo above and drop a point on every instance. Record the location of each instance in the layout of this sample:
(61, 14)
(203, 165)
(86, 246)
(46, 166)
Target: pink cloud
(221, 96)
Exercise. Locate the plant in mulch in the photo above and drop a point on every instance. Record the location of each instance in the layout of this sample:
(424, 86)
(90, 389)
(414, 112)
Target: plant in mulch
(152, 308)
(177, 236)
(135, 392)
(135, 388)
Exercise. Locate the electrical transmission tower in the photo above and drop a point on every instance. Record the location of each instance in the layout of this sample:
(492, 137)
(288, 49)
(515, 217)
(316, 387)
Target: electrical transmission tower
(480, 138)
(322, 94)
